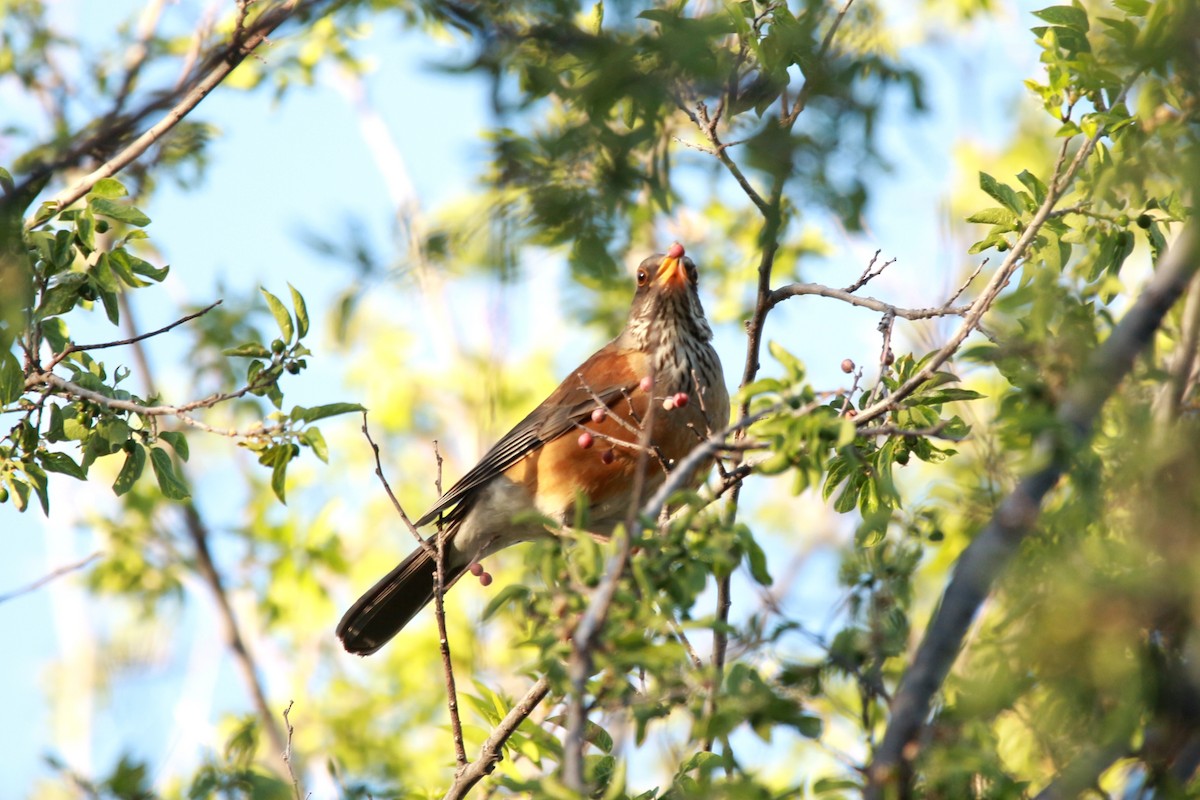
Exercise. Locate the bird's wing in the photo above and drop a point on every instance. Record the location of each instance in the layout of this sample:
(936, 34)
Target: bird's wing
(611, 374)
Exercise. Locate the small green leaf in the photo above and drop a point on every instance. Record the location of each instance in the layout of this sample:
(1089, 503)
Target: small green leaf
(301, 313)
(168, 481)
(994, 216)
(282, 318)
(592, 734)
(756, 559)
(6, 181)
(248, 350)
(37, 477)
(302, 414)
(12, 378)
(313, 438)
(1002, 192)
(279, 473)
(178, 443)
(108, 187)
(118, 211)
(62, 463)
(131, 470)
(1067, 16)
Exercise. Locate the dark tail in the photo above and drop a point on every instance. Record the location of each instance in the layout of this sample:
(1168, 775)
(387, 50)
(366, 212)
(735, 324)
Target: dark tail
(387, 606)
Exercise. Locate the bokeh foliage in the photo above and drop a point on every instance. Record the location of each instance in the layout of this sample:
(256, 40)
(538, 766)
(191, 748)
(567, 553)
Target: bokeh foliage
(613, 121)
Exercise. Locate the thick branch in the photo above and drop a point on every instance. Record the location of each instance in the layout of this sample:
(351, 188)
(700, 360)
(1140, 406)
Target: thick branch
(983, 561)
(243, 43)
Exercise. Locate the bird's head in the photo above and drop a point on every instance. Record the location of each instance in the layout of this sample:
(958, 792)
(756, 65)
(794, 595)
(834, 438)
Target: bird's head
(666, 303)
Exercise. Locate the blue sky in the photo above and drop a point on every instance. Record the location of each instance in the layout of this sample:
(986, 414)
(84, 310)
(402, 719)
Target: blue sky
(278, 169)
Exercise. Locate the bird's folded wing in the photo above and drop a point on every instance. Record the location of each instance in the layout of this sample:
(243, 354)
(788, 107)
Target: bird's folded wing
(611, 375)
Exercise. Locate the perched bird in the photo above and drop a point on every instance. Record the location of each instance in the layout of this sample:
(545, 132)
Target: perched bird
(573, 446)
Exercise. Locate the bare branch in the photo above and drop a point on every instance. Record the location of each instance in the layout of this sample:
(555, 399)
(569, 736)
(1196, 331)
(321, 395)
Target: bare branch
(797, 289)
(492, 750)
(76, 348)
(56, 573)
(232, 634)
(243, 43)
(982, 562)
(287, 753)
(1060, 180)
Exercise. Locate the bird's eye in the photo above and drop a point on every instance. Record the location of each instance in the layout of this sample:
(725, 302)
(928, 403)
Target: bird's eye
(641, 277)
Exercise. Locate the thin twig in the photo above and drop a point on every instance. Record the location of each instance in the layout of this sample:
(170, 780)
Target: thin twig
(55, 573)
(287, 752)
(439, 610)
(76, 348)
(985, 558)
(797, 289)
(1058, 185)
(493, 748)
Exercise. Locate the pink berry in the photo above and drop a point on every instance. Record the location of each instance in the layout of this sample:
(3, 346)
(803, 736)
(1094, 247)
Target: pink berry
(647, 384)
(485, 579)
(607, 457)
(675, 251)
(681, 399)
(847, 366)
(476, 568)
(598, 415)
(585, 440)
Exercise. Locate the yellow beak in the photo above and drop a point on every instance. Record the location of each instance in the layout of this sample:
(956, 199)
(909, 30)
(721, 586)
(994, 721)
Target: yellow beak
(671, 273)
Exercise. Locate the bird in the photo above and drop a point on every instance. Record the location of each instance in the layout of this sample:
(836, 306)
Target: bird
(579, 446)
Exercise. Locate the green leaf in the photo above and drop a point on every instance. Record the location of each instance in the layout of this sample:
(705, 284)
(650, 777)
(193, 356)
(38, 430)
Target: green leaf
(313, 438)
(131, 470)
(1134, 8)
(1067, 16)
(1001, 192)
(302, 414)
(62, 463)
(279, 472)
(282, 318)
(6, 181)
(37, 477)
(12, 378)
(178, 443)
(756, 559)
(118, 211)
(592, 733)
(248, 350)
(1033, 184)
(301, 312)
(169, 482)
(107, 187)
(994, 216)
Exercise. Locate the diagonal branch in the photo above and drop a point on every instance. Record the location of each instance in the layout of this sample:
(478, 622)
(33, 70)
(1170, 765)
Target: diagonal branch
(220, 65)
(492, 750)
(985, 558)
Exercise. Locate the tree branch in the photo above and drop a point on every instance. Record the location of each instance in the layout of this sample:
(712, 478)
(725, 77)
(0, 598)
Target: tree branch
(42, 581)
(797, 289)
(220, 65)
(492, 750)
(985, 558)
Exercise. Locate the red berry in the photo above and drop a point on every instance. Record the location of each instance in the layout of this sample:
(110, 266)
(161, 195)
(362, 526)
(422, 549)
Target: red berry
(681, 399)
(847, 366)
(608, 456)
(647, 384)
(585, 440)
(598, 415)
(476, 568)
(485, 579)
(675, 251)
(889, 358)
